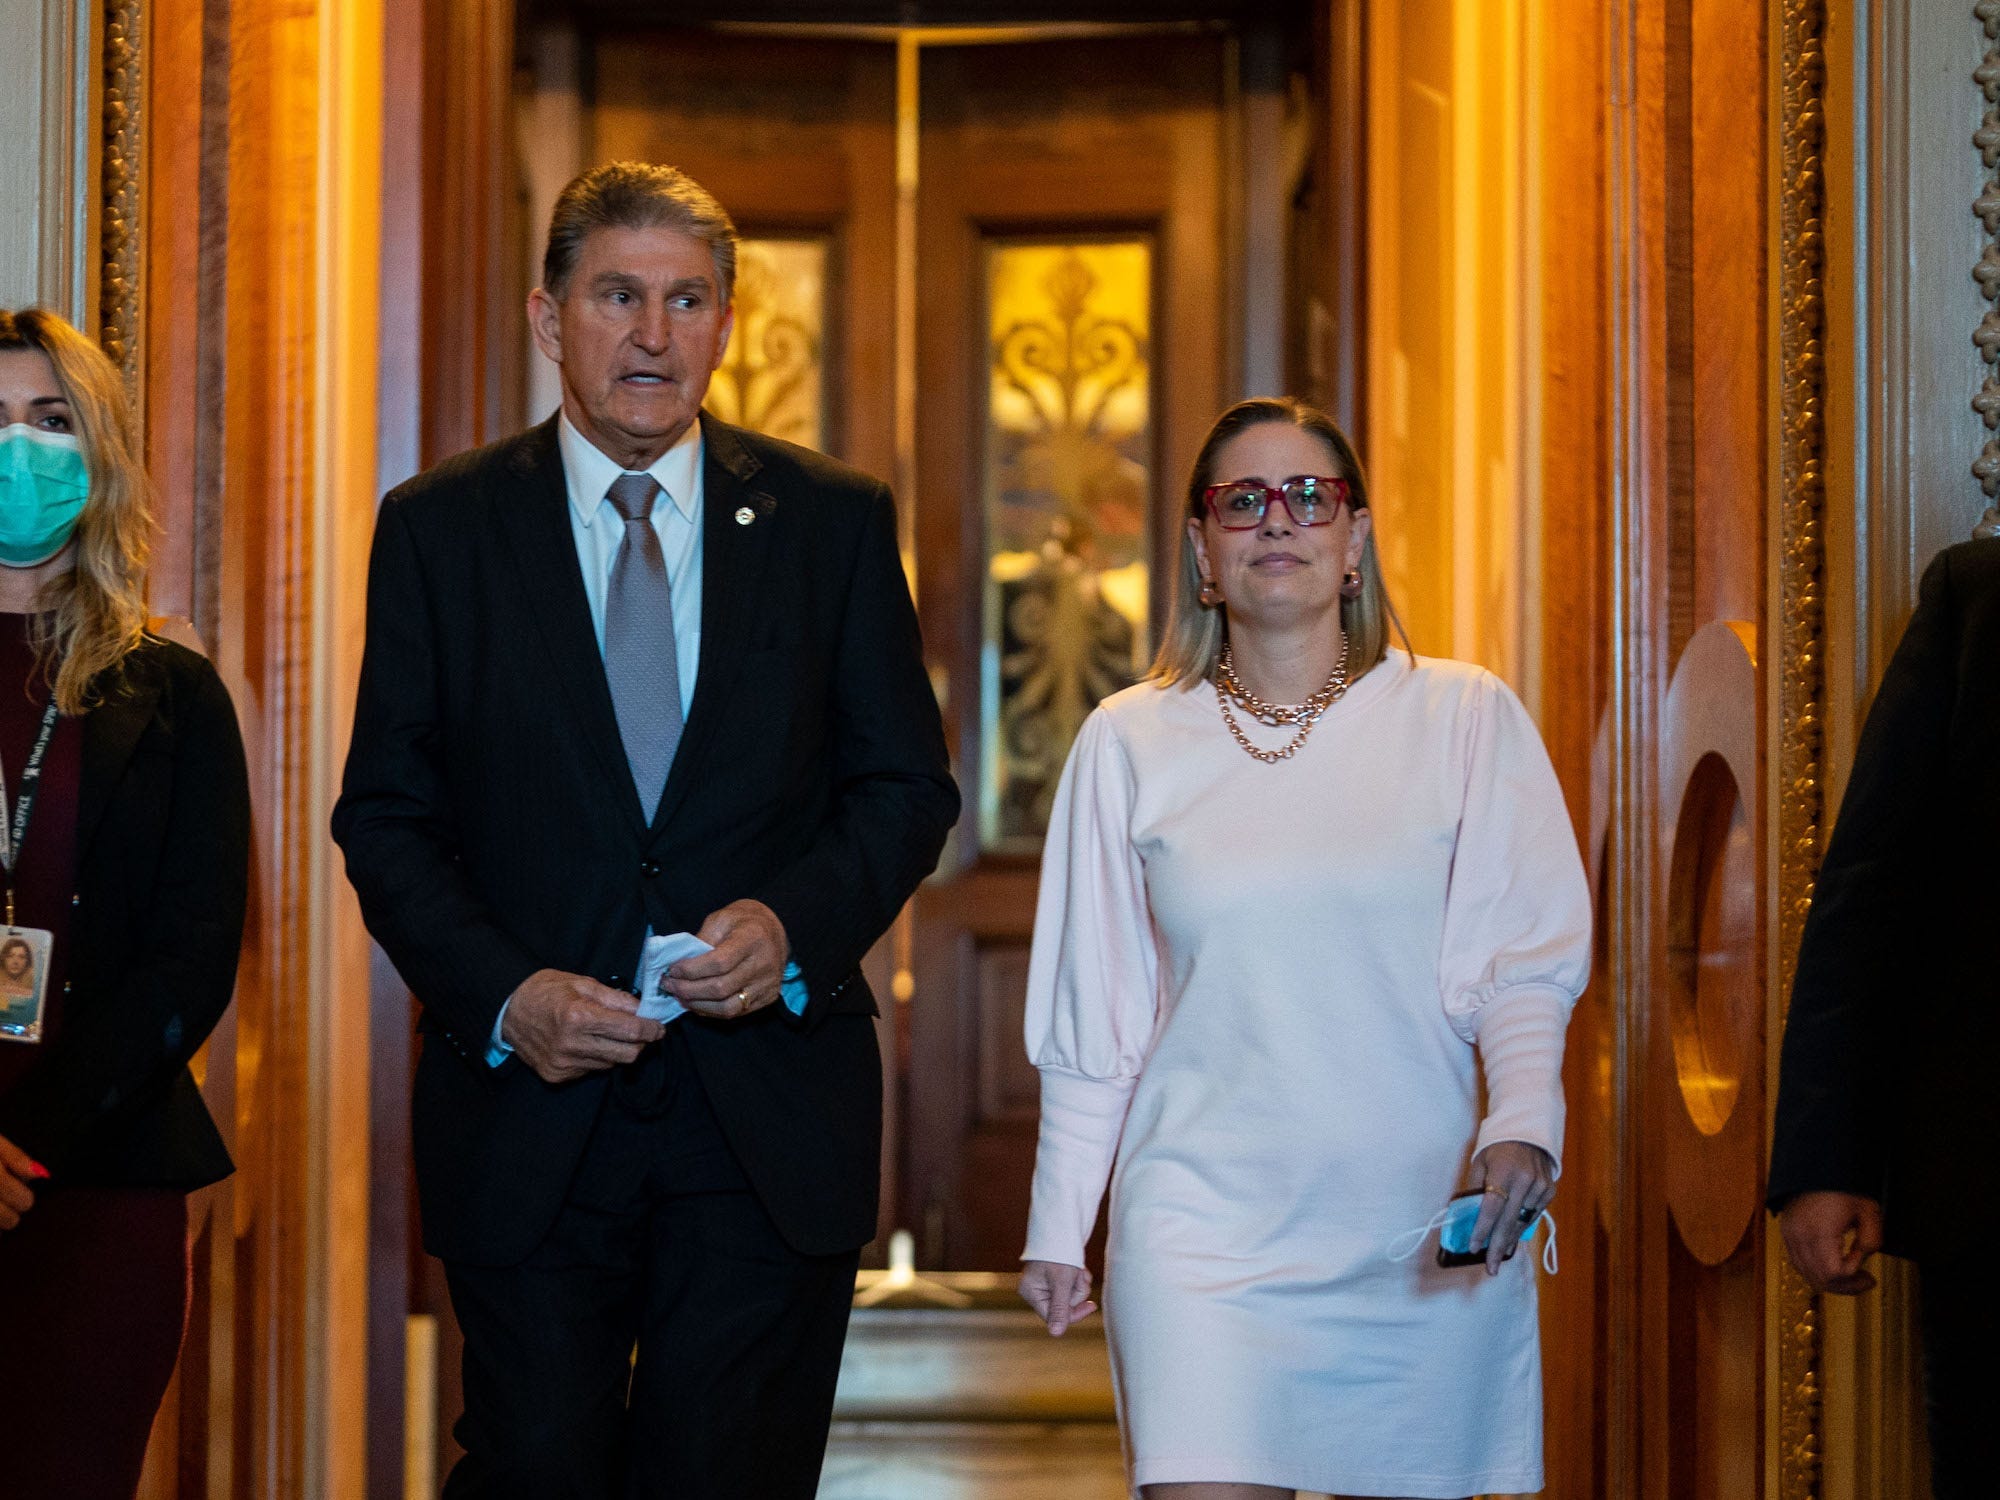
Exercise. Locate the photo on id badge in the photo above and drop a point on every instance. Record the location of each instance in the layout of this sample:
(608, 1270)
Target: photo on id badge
(24, 977)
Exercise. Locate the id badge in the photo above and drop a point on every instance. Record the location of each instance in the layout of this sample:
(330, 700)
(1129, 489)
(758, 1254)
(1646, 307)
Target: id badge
(24, 981)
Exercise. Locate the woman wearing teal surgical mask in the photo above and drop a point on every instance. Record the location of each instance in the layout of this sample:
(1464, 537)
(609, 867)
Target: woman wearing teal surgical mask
(124, 842)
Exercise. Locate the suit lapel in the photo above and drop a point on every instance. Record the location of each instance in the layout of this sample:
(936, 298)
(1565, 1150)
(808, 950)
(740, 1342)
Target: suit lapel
(732, 562)
(535, 518)
(111, 732)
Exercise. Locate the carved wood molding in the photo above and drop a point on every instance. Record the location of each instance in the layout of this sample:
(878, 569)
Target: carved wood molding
(1802, 637)
(118, 309)
(1986, 469)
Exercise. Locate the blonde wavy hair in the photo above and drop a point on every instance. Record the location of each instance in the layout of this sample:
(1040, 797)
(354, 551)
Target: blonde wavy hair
(1192, 644)
(94, 615)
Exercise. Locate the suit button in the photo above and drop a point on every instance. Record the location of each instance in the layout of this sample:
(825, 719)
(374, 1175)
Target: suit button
(649, 868)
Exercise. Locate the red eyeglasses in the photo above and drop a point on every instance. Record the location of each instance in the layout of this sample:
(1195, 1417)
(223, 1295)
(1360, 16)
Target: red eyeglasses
(1309, 500)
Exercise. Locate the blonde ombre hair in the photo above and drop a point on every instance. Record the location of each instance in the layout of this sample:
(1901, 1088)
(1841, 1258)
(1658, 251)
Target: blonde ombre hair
(1195, 631)
(93, 616)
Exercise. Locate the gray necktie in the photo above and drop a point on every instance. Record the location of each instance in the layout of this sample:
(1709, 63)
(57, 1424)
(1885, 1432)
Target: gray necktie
(641, 660)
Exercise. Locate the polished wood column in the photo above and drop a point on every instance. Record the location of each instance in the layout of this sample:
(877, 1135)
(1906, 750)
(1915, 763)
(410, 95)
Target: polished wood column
(1569, 77)
(237, 166)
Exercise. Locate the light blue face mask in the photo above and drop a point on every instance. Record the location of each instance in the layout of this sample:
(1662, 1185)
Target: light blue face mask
(1454, 1224)
(43, 485)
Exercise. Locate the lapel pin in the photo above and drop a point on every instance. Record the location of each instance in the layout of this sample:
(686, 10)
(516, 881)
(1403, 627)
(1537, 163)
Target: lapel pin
(745, 515)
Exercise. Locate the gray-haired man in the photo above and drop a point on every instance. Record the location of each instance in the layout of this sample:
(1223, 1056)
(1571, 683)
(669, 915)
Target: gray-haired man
(632, 674)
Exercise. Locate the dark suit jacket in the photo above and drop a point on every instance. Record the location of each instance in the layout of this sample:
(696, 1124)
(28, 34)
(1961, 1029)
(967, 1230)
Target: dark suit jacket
(1890, 1078)
(492, 829)
(163, 840)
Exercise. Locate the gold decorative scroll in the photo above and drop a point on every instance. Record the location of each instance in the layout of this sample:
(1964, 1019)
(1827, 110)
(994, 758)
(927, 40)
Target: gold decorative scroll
(772, 379)
(1802, 493)
(118, 291)
(1067, 484)
(1986, 468)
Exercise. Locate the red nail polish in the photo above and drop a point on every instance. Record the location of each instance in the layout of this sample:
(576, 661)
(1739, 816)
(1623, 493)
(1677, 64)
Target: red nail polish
(37, 1170)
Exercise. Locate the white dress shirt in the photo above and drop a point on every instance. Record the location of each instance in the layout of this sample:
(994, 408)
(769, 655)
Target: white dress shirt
(599, 529)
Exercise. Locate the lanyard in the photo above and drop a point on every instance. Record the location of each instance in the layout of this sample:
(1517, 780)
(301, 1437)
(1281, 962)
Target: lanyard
(14, 830)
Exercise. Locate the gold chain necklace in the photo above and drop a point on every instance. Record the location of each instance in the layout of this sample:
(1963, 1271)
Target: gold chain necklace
(1277, 715)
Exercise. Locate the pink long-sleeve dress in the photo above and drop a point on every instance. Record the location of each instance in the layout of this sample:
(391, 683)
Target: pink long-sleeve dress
(1263, 999)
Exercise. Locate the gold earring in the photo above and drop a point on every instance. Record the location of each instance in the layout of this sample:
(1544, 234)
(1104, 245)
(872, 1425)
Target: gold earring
(1210, 595)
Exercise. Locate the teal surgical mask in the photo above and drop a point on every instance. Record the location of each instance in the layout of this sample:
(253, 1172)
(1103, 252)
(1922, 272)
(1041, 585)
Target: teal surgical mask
(1455, 1223)
(43, 484)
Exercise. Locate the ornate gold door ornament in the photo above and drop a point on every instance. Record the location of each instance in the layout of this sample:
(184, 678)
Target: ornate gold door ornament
(1802, 641)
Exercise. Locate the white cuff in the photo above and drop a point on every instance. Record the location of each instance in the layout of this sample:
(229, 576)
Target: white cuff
(1082, 1118)
(1520, 1034)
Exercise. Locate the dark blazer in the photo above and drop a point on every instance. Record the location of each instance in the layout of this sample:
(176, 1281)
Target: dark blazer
(163, 841)
(492, 828)
(1889, 1084)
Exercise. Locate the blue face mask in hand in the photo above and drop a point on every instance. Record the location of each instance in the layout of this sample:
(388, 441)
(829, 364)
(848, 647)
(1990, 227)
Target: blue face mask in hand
(43, 486)
(1454, 1224)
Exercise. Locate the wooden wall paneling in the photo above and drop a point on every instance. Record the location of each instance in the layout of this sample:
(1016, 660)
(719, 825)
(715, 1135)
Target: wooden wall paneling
(1569, 79)
(172, 318)
(456, 278)
(1261, 189)
(258, 119)
(474, 276)
(1704, 1024)
(550, 125)
(349, 333)
(810, 149)
(267, 500)
(949, 370)
(392, 1054)
(1635, 434)
(172, 271)
(1698, 398)
(1328, 302)
(210, 1446)
(1494, 561)
(1649, 637)
(1409, 296)
(1451, 234)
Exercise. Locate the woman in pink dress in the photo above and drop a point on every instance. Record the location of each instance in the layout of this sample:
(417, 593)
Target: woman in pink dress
(1311, 924)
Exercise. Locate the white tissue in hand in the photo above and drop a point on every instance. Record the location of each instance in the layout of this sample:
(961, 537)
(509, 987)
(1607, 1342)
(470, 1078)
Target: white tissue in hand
(660, 955)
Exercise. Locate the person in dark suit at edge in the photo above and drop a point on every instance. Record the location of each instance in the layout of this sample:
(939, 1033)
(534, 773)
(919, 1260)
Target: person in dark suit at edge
(636, 672)
(1888, 1122)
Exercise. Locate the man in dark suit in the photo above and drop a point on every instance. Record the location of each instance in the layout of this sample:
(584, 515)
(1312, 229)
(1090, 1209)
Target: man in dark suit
(631, 673)
(1887, 1134)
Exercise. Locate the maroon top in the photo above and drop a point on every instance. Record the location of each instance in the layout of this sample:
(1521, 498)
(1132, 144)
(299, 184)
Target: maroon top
(45, 882)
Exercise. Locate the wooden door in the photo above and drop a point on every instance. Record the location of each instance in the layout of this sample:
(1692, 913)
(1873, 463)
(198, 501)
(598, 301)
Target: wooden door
(1696, 855)
(797, 137)
(1070, 357)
